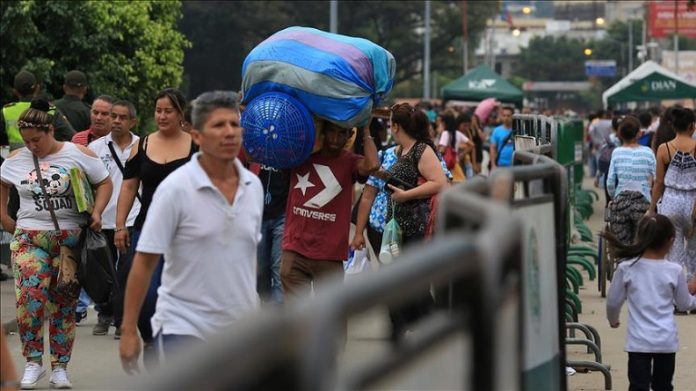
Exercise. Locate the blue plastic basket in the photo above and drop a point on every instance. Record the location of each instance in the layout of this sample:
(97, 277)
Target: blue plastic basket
(278, 130)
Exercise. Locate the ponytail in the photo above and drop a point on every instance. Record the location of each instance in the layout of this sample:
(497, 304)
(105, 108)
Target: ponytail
(414, 122)
(654, 231)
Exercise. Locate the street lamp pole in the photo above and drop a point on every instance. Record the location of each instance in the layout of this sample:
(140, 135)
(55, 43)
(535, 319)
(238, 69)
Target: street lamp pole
(676, 38)
(630, 46)
(426, 55)
(333, 16)
(465, 35)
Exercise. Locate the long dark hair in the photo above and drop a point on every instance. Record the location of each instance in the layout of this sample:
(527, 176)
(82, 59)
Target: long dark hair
(176, 97)
(653, 232)
(682, 118)
(665, 130)
(451, 128)
(413, 121)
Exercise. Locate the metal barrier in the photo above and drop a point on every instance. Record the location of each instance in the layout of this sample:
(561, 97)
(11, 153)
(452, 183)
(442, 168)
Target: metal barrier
(296, 348)
(542, 128)
(542, 201)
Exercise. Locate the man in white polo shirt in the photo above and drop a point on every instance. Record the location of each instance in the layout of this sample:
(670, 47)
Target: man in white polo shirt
(114, 149)
(205, 218)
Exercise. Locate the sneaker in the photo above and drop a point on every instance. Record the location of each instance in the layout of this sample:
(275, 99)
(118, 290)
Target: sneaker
(117, 333)
(102, 326)
(79, 315)
(59, 379)
(32, 373)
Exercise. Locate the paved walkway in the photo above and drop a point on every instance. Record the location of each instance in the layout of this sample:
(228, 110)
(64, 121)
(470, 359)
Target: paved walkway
(95, 364)
(594, 313)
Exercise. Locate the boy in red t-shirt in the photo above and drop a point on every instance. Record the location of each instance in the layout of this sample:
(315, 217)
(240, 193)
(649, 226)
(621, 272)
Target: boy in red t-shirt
(317, 218)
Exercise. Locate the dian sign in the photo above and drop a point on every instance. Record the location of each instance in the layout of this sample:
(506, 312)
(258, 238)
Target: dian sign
(662, 21)
(659, 86)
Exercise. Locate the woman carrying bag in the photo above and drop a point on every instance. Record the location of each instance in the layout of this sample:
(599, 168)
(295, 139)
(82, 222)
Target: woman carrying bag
(418, 167)
(45, 233)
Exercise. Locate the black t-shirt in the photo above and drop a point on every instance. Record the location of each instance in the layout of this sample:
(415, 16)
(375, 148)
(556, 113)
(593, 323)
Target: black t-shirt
(151, 174)
(276, 185)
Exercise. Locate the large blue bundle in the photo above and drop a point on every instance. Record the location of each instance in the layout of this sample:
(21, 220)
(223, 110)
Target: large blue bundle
(339, 78)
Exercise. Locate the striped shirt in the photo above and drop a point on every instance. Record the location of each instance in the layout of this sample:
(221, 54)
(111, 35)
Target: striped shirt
(84, 137)
(631, 169)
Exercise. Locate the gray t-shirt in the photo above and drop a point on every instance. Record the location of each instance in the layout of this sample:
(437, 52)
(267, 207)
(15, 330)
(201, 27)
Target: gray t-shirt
(33, 211)
(600, 132)
(652, 288)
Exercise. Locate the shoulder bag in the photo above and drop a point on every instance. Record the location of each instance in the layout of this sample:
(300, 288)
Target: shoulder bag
(500, 150)
(67, 284)
(120, 166)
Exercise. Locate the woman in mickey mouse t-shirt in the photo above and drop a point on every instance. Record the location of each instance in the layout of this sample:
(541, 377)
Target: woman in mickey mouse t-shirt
(36, 246)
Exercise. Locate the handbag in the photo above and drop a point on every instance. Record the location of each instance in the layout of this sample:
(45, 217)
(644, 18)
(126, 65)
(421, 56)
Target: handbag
(450, 157)
(96, 272)
(67, 283)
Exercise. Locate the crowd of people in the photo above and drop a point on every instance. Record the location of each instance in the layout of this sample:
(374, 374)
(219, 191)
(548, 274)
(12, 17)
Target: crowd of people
(646, 162)
(185, 208)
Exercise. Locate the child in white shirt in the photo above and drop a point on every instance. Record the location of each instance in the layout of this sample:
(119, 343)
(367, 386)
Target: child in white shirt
(652, 286)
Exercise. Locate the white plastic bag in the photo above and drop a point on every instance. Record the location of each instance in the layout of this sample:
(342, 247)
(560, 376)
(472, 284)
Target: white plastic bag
(356, 262)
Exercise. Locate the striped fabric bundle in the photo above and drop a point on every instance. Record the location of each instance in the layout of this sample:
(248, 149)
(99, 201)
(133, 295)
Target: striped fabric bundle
(338, 78)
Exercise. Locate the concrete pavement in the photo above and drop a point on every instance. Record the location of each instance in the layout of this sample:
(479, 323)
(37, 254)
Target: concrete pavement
(95, 364)
(594, 314)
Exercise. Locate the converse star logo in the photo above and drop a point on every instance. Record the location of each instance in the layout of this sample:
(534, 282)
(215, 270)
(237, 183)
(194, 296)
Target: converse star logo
(303, 183)
(331, 188)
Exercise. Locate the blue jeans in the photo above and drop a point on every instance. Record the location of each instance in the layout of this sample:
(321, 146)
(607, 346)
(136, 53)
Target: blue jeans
(83, 301)
(169, 344)
(148, 309)
(268, 283)
(592, 164)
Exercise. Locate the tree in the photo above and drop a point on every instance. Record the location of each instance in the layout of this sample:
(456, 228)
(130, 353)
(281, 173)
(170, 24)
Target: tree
(552, 59)
(128, 50)
(223, 33)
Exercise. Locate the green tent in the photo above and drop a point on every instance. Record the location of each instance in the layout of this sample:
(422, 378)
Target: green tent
(481, 83)
(648, 82)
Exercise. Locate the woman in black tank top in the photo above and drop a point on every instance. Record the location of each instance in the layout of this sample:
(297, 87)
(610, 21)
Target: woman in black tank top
(142, 169)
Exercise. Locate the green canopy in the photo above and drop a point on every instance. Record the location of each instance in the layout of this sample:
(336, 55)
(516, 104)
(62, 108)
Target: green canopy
(481, 83)
(649, 82)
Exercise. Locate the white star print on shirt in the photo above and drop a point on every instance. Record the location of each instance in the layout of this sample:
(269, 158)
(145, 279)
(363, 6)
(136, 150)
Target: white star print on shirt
(303, 183)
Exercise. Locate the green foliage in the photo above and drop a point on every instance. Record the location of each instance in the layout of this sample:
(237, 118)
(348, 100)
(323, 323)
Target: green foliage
(552, 59)
(128, 50)
(223, 33)
(685, 43)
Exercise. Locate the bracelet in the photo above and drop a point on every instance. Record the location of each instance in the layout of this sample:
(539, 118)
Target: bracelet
(120, 229)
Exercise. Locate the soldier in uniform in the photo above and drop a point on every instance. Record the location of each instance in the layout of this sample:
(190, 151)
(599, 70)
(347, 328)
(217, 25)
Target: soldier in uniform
(71, 104)
(25, 88)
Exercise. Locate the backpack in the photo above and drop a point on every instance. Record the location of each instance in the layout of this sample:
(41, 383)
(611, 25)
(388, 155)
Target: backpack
(605, 152)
